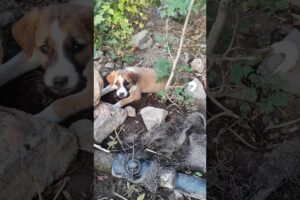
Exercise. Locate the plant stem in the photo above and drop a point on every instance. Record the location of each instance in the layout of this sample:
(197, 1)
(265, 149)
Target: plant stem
(180, 45)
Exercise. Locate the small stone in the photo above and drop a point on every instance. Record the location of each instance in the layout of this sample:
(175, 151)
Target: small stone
(150, 24)
(198, 65)
(130, 111)
(109, 65)
(142, 40)
(153, 116)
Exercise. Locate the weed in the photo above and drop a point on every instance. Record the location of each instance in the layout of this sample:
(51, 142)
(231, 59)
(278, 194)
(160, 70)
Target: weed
(162, 69)
(114, 21)
(268, 95)
(129, 59)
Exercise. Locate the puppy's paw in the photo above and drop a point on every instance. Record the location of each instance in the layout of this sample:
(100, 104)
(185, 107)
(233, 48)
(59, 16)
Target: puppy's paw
(48, 114)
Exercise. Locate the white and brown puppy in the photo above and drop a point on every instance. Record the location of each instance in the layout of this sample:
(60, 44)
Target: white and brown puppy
(60, 39)
(131, 82)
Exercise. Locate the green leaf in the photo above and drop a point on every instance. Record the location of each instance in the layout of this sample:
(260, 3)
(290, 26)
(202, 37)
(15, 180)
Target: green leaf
(239, 72)
(141, 196)
(198, 173)
(162, 68)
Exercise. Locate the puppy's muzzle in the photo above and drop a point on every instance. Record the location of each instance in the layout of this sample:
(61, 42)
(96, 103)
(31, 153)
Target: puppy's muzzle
(122, 95)
(60, 81)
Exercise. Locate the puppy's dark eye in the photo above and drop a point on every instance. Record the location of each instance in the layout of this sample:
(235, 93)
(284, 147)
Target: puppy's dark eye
(76, 48)
(45, 49)
(126, 83)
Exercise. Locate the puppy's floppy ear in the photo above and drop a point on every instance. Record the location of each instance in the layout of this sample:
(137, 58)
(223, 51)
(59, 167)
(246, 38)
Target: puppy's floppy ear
(111, 77)
(86, 15)
(24, 31)
(133, 76)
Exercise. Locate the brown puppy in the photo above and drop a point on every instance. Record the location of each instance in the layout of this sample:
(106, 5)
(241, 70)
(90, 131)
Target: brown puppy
(131, 82)
(60, 39)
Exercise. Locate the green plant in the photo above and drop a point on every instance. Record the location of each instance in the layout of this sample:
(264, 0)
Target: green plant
(130, 59)
(162, 69)
(185, 68)
(178, 95)
(114, 21)
(177, 8)
(183, 97)
(266, 93)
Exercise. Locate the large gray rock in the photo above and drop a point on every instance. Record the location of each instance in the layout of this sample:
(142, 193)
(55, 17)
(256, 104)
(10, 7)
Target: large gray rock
(287, 80)
(107, 121)
(153, 116)
(33, 154)
(196, 89)
(83, 130)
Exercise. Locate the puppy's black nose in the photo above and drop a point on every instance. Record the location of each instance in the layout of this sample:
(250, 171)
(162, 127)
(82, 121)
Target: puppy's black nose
(121, 94)
(60, 81)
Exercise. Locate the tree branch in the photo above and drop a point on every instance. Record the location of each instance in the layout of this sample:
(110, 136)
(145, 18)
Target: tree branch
(216, 30)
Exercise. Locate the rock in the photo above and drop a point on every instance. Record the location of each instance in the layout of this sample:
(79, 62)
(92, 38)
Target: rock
(282, 68)
(153, 116)
(276, 167)
(142, 40)
(175, 195)
(196, 89)
(198, 65)
(98, 55)
(33, 153)
(107, 121)
(130, 111)
(187, 57)
(109, 65)
(83, 130)
(150, 24)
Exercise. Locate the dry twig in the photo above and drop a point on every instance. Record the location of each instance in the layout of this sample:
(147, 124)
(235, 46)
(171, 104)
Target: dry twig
(180, 45)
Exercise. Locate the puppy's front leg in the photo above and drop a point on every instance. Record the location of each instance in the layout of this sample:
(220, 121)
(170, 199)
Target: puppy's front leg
(70, 105)
(15, 67)
(106, 90)
(135, 95)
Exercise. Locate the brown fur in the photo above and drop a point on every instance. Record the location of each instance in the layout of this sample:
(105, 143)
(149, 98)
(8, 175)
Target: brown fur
(141, 80)
(77, 22)
(34, 28)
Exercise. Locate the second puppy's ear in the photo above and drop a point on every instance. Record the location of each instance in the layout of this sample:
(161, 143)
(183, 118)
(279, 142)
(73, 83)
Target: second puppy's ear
(111, 77)
(24, 31)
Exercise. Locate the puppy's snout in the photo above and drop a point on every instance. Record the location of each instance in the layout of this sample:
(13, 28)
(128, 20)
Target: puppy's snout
(121, 94)
(60, 81)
